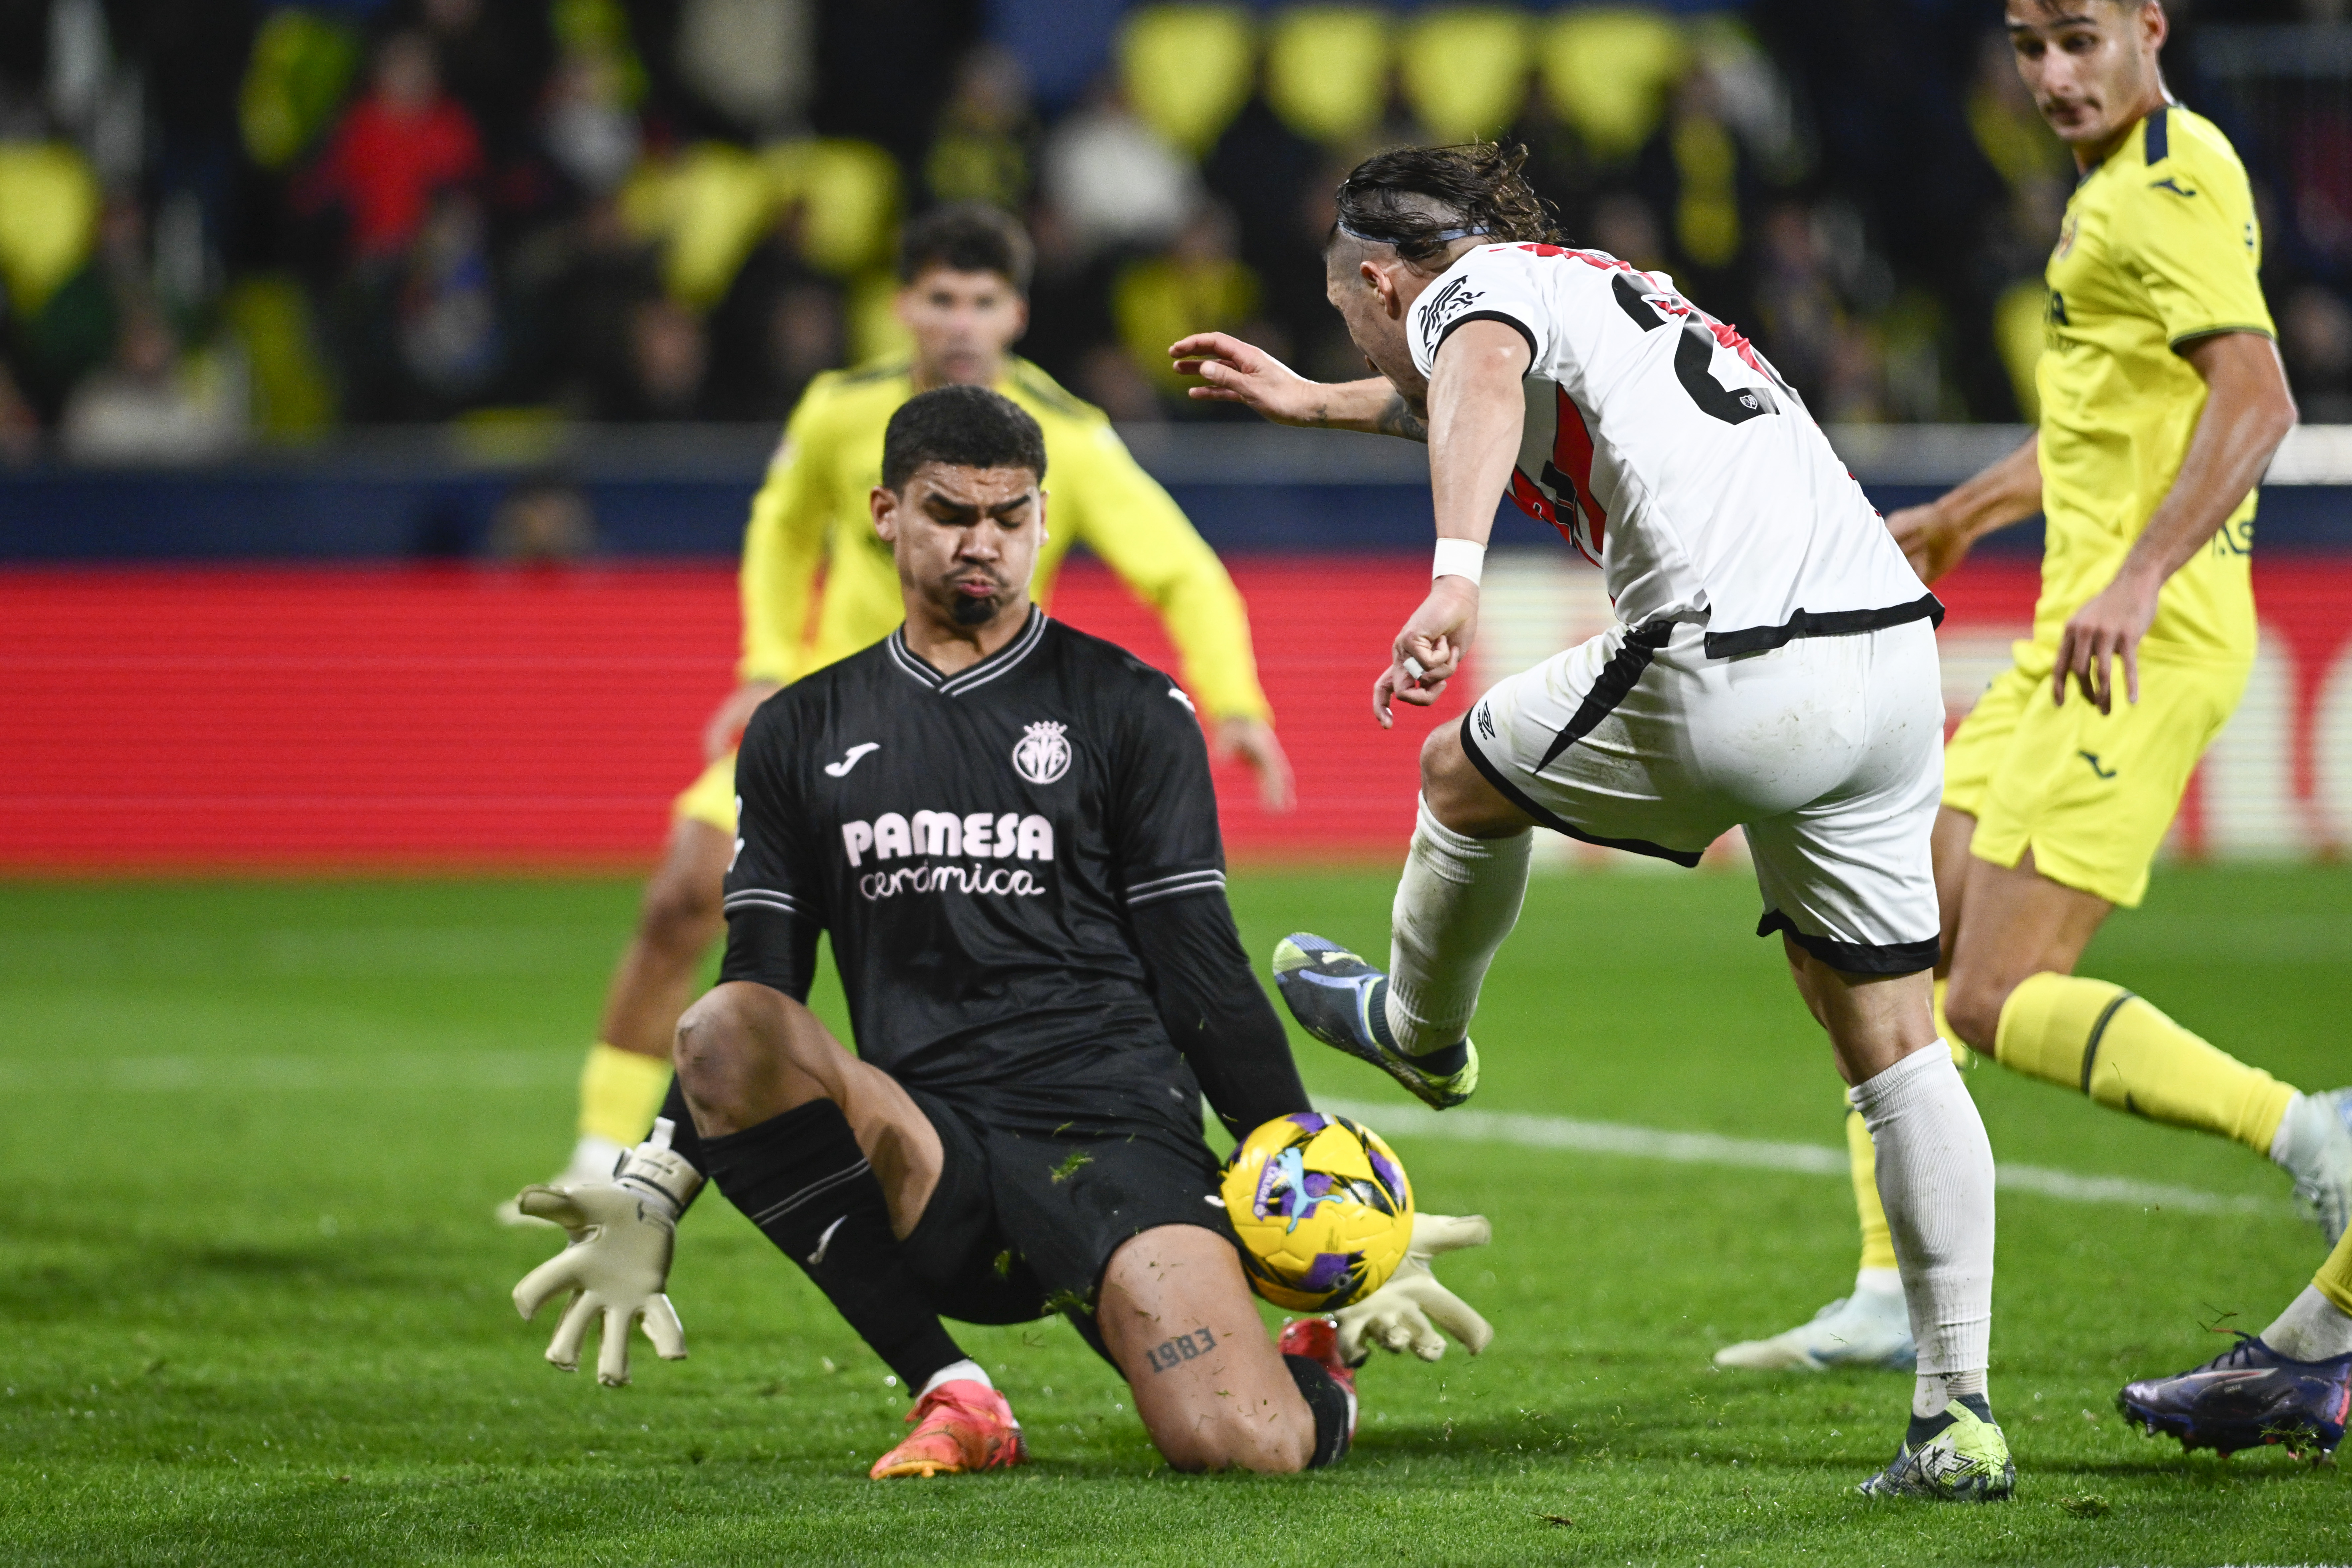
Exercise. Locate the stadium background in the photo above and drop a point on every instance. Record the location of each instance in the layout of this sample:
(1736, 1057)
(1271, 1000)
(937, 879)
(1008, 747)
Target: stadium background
(384, 381)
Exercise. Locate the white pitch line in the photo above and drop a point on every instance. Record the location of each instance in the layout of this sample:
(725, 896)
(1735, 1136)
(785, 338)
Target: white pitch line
(1758, 1153)
(509, 1069)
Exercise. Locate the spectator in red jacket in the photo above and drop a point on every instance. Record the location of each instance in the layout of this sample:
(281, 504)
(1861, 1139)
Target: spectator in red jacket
(395, 149)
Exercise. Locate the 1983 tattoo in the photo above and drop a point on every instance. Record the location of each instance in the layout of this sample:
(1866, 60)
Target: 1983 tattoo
(1171, 1353)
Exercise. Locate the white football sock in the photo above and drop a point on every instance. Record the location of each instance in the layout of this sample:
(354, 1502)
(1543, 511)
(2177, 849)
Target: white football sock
(1935, 1390)
(2281, 1140)
(1458, 898)
(1879, 1283)
(1934, 1178)
(2313, 1328)
(592, 1159)
(965, 1371)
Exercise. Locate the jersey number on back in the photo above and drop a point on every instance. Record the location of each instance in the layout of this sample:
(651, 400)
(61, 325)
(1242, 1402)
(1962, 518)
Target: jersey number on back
(1694, 358)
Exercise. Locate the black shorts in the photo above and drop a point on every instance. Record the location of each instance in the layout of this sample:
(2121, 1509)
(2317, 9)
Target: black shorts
(1021, 1225)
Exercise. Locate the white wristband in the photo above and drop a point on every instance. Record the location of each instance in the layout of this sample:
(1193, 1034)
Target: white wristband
(1458, 558)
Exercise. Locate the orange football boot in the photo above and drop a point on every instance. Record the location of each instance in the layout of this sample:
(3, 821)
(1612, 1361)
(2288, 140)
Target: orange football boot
(961, 1425)
(1318, 1339)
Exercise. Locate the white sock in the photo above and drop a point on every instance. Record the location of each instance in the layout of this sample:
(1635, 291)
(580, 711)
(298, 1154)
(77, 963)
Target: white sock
(965, 1371)
(2313, 1328)
(592, 1157)
(1934, 1178)
(2282, 1143)
(1879, 1286)
(1935, 1390)
(1458, 898)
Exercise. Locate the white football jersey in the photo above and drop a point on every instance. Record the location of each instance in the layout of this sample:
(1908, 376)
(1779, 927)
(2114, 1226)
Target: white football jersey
(1673, 457)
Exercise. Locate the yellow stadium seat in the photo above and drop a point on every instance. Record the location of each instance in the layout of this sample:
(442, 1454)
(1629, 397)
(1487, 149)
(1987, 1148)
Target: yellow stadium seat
(1606, 72)
(1327, 71)
(1187, 70)
(294, 81)
(710, 206)
(848, 194)
(293, 397)
(707, 207)
(1464, 70)
(1707, 214)
(1157, 300)
(48, 220)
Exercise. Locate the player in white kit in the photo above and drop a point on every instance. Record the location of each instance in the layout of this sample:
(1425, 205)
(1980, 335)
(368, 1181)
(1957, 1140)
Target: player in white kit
(1772, 666)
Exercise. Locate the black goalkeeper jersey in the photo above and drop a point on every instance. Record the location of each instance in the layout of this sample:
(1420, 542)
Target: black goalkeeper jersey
(976, 845)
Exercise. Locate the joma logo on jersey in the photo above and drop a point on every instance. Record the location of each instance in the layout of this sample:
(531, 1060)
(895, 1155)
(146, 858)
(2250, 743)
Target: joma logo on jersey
(979, 835)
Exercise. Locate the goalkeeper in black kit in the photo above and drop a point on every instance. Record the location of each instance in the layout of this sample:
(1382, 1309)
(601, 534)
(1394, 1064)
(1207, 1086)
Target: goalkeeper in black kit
(1008, 830)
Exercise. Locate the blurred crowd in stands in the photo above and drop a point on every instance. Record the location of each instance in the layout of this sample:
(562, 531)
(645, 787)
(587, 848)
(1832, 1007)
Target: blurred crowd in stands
(228, 220)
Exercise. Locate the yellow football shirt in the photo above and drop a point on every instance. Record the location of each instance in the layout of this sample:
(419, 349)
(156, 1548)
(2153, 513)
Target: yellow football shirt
(811, 517)
(2160, 247)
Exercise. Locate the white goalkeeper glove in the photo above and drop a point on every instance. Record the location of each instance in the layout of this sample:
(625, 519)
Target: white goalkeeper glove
(1406, 1312)
(618, 1259)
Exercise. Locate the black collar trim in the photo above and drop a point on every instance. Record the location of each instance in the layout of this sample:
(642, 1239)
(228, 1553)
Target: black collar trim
(1032, 633)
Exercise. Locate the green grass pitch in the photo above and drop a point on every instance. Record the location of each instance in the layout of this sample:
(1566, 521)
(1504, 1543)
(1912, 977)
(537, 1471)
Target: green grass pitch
(254, 1309)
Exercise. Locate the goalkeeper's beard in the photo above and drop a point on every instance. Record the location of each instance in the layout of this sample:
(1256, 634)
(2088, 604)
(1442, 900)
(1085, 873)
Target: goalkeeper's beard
(972, 609)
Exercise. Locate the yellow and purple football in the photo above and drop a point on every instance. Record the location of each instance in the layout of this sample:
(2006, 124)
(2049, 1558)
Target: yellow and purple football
(1323, 1209)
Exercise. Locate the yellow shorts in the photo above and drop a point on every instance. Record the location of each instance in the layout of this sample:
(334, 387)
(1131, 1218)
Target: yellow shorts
(2092, 795)
(711, 797)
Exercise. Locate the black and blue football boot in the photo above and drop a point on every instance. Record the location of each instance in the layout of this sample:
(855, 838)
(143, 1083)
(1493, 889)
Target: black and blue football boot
(2245, 1397)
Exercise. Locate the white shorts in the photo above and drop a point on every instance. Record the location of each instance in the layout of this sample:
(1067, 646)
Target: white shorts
(1828, 750)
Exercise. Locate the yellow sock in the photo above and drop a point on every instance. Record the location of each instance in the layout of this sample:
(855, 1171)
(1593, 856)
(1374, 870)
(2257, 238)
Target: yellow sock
(1877, 1242)
(2334, 1280)
(2101, 1041)
(619, 1093)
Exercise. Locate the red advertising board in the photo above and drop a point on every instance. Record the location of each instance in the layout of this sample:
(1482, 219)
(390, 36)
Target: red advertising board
(359, 718)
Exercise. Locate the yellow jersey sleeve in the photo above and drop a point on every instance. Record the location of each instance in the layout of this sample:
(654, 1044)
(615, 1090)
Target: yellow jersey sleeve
(784, 546)
(2190, 235)
(1101, 494)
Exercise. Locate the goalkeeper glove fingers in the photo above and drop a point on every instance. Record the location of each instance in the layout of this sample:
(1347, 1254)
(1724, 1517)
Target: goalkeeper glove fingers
(1406, 1312)
(617, 1260)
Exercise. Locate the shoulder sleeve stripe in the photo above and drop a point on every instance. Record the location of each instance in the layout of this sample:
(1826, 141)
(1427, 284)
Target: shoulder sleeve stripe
(1172, 886)
(2158, 142)
(763, 899)
(1458, 322)
(2255, 328)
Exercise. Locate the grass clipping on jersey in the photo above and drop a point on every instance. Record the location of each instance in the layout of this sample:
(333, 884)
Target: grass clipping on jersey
(1323, 1209)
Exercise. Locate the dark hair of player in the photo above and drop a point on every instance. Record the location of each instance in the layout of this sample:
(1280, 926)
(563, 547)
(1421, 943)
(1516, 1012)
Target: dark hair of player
(1423, 199)
(968, 237)
(964, 428)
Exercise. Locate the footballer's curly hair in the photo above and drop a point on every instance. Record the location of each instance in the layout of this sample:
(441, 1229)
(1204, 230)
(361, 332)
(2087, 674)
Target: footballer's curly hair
(1423, 199)
(964, 428)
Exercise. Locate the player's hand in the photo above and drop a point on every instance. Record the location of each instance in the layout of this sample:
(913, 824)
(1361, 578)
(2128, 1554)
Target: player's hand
(1253, 741)
(2106, 629)
(1407, 1312)
(1930, 541)
(1435, 640)
(1236, 372)
(725, 730)
(617, 1261)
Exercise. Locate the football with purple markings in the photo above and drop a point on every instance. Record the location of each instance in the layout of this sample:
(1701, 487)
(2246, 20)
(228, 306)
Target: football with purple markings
(1323, 1208)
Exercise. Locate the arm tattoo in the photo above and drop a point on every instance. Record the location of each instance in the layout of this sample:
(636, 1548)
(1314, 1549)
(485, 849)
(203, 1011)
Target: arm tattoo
(1396, 419)
(1171, 1353)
